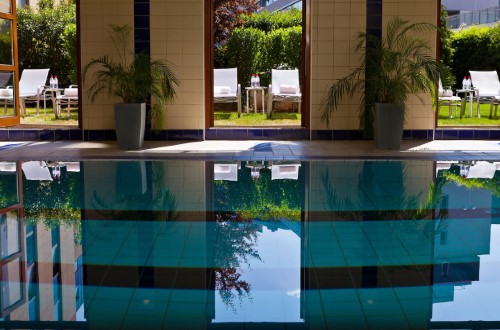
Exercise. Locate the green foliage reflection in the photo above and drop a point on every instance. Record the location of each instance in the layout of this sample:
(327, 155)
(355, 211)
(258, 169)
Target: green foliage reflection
(263, 199)
(55, 203)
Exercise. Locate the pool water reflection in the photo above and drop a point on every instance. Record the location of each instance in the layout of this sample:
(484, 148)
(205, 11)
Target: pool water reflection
(235, 245)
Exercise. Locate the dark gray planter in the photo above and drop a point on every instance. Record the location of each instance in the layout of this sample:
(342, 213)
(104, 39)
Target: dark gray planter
(130, 122)
(389, 121)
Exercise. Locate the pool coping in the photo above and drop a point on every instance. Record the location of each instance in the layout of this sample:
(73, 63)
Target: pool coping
(219, 150)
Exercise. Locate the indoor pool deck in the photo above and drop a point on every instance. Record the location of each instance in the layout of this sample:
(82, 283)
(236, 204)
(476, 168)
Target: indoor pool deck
(253, 150)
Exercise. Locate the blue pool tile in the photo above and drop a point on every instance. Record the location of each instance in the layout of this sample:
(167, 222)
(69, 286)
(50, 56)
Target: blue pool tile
(255, 133)
(148, 135)
(300, 133)
(4, 135)
(61, 134)
(239, 134)
(407, 134)
(419, 134)
(307, 134)
(32, 135)
(284, 134)
(142, 35)
(438, 135)
(96, 135)
(224, 134)
(141, 9)
(480, 134)
(347, 135)
(160, 135)
(450, 134)
(110, 135)
(174, 135)
(76, 135)
(16, 135)
(191, 135)
(270, 133)
(47, 135)
(211, 134)
(465, 134)
(495, 134)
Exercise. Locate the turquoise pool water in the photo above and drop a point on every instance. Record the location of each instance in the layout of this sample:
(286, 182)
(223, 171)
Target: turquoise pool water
(409, 244)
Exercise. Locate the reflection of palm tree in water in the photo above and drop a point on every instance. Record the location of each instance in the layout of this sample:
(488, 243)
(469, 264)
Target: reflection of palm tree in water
(236, 241)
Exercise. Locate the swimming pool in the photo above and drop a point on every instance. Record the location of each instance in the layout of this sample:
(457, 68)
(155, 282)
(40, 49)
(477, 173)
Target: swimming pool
(326, 244)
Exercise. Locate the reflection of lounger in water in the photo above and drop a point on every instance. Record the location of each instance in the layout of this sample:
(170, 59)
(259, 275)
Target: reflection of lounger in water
(34, 170)
(227, 171)
(284, 170)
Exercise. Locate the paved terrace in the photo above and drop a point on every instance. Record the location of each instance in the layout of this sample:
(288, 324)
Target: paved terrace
(253, 150)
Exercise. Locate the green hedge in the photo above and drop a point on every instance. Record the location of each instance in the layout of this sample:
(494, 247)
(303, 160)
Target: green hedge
(475, 48)
(43, 38)
(243, 52)
(253, 51)
(266, 21)
(265, 41)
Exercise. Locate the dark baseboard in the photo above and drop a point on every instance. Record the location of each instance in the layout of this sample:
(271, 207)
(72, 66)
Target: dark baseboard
(287, 134)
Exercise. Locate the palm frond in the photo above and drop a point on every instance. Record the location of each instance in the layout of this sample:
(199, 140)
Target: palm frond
(141, 80)
(395, 66)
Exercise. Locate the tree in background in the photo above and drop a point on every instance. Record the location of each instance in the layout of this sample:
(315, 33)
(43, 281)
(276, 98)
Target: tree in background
(227, 16)
(47, 39)
(445, 48)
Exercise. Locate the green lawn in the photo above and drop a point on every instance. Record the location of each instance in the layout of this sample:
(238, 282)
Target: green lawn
(224, 118)
(49, 118)
(257, 119)
(444, 116)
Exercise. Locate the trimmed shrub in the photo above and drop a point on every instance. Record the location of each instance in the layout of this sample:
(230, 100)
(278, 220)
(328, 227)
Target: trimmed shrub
(267, 21)
(243, 52)
(472, 51)
(68, 40)
(292, 44)
(43, 38)
(282, 49)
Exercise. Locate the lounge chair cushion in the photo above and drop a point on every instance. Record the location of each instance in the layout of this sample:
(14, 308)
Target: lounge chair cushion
(6, 92)
(288, 89)
(222, 168)
(445, 92)
(222, 89)
(71, 92)
(288, 168)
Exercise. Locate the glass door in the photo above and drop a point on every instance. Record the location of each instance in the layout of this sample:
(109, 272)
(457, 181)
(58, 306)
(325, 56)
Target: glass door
(9, 95)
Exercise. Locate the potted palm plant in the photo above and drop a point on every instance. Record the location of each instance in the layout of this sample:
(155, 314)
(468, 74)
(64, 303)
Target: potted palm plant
(393, 68)
(137, 80)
